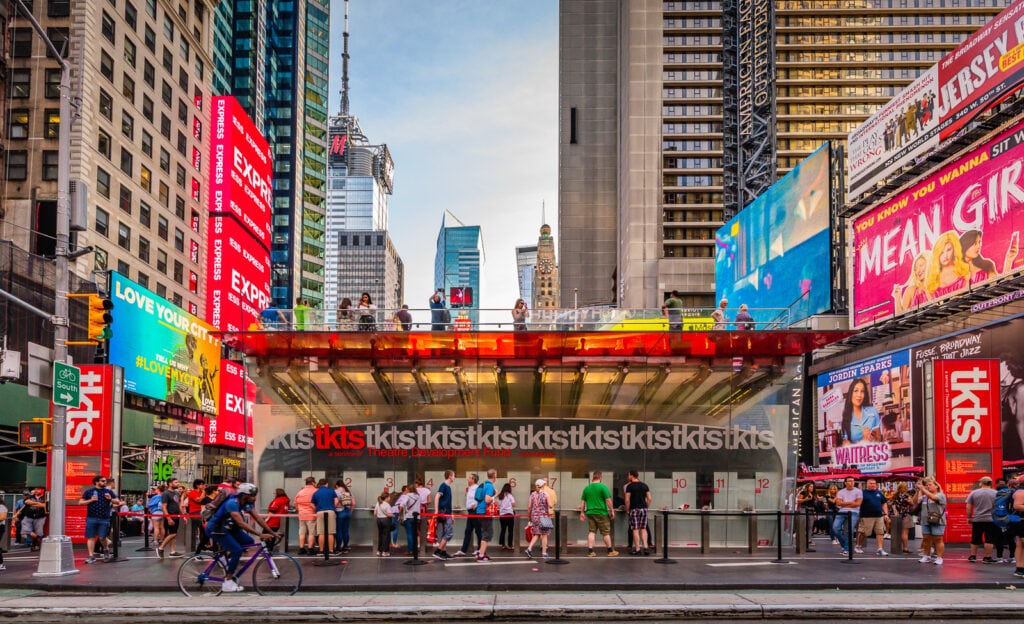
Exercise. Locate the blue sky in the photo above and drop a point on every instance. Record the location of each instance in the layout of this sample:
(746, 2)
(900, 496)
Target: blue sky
(465, 94)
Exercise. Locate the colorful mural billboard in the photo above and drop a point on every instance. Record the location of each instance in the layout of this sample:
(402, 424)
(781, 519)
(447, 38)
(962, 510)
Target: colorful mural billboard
(774, 255)
(952, 231)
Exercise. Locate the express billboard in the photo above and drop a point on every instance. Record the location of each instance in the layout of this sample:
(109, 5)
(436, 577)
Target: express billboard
(774, 255)
(240, 169)
(925, 244)
(238, 275)
(233, 425)
(864, 416)
(167, 354)
(983, 70)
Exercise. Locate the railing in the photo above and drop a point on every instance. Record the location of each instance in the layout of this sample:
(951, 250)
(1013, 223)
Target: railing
(485, 319)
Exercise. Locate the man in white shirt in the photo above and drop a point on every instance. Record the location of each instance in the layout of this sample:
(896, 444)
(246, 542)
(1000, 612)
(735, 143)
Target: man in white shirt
(472, 522)
(424, 493)
(848, 501)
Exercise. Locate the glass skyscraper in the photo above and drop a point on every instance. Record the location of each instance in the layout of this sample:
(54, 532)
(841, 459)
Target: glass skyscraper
(457, 262)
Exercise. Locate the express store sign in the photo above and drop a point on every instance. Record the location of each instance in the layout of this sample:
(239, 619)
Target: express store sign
(240, 169)
(238, 276)
(233, 424)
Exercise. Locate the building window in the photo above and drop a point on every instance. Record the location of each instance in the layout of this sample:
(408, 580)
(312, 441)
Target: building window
(149, 74)
(102, 222)
(183, 78)
(51, 84)
(165, 160)
(147, 144)
(161, 227)
(21, 42)
(127, 160)
(130, 15)
(145, 214)
(168, 28)
(17, 165)
(149, 38)
(122, 267)
(128, 88)
(151, 8)
(103, 143)
(103, 182)
(106, 105)
(147, 108)
(59, 37)
(179, 272)
(143, 249)
(165, 93)
(52, 120)
(20, 83)
(179, 240)
(107, 66)
(183, 49)
(124, 236)
(179, 207)
(183, 112)
(107, 27)
(165, 126)
(161, 261)
(165, 195)
(57, 8)
(161, 290)
(50, 161)
(176, 299)
(127, 125)
(143, 278)
(18, 124)
(182, 146)
(168, 61)
(129, 52)
(145, 178)
(124, 199)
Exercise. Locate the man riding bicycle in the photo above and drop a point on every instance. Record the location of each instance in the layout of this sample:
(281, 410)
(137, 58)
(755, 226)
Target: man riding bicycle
(231, 532)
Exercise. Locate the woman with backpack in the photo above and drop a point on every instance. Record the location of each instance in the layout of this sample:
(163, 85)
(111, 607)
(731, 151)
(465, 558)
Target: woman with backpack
(345, 506)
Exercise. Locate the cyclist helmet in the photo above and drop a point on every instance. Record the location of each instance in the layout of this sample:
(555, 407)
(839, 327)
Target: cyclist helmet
(248, 488)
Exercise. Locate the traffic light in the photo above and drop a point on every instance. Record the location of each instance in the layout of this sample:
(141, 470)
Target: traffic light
(100, 317)
(34, 433)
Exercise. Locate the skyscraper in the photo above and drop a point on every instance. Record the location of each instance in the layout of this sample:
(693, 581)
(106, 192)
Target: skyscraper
(526, 265)
(457, 264)
(545, 279)
(675, 113)
(273, 56)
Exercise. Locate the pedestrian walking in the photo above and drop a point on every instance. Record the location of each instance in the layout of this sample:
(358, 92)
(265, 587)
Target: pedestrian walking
(170, 506)
(472, 522)
(539, 509)
(597, 511)
(99, 501)
(484, 495)
(984, 532)
(445, 528)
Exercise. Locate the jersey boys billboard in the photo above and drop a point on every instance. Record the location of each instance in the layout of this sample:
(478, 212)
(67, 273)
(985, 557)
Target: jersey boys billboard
(952, 231)
(982, 71)
(167, 354)
(240, 169)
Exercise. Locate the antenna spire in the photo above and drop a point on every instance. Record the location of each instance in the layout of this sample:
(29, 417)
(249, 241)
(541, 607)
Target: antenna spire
(344, 67)
(543, 218)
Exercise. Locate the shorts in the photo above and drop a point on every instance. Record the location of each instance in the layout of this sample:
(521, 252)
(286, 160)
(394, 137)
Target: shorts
(938, 530)
(308, 527)
(1013, 531)
(486, 529)
(985, 533)
(445, 528)
(332, 522)
(600, 523)
(638, 518)
(96, 527)
(868, 526)
(33, 525)
(171, 528)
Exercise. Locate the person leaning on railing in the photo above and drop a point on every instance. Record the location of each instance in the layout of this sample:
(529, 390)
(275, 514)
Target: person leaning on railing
(743, 319)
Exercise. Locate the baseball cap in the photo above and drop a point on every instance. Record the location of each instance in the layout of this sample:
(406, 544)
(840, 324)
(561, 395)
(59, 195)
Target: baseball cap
(539, 483)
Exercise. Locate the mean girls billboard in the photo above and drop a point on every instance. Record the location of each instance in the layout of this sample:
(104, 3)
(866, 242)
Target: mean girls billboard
(951, 232)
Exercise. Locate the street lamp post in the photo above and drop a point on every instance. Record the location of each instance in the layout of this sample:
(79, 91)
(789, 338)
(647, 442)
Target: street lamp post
(55, 556)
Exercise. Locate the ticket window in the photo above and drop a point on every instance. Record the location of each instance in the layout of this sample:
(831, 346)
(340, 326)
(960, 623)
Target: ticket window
(731, 492)
(522, 486)
(680, 494)
(355, 481)
(767, 492)
(389, 481)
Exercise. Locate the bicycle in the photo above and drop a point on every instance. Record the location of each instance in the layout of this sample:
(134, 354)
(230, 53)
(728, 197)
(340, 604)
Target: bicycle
(273, 573)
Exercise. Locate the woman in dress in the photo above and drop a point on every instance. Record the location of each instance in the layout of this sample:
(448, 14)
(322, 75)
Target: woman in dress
(900, 507)
(933, 519)
(506, 517)
(947, 271)
(806, 502)
(861, 422)
(913, 293)
(519, 315)
(538, 508)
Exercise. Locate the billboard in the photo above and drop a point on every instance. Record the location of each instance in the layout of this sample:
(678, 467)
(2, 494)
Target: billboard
(864, 415)
(240, 169)
(167, 354)
(926, 244)
(968, 442)
(983, 70)
(774, 255)
(237, 276)
(233, 425)
(461, 296)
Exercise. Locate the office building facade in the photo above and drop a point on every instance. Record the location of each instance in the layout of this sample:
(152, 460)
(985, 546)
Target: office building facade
(371, 264)
(649, 146)
(526, 265)
(457, 263)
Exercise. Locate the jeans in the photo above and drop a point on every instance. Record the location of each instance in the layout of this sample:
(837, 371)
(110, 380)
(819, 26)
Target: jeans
(831, 522)
(383, 535)
(472, 526)
(344, 522)
(411, 527)
(507, 528)
(233, 543)
(839, 528)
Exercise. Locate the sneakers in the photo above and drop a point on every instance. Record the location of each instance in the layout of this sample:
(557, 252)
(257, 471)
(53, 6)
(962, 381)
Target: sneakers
(881, 553)
(845, 553)
(460, 554)
(545, 555)
(858, 550)
(591, 553)
(2, 567)
(1018, 573)
(175, 554)
(925, 559)
(646, 552)
(90, 560)
(988, 560)
(835, 542)
(159, 552)
(231, 586)
(438, 555)
(484, 558)
(972, 559)
(938, 561)
(528, 554)
(613, 553)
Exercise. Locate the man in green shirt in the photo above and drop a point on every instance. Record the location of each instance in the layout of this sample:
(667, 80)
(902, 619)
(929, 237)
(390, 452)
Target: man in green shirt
(300, 312)
(673, 308)
(596, 508)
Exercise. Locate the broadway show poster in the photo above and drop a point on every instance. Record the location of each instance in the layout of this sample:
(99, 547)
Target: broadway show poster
(167, 354)
(951, 232)
(864, 415)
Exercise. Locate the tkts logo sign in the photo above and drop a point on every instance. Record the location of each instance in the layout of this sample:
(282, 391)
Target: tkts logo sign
(88, 426)
(598, 437)
(967, 409)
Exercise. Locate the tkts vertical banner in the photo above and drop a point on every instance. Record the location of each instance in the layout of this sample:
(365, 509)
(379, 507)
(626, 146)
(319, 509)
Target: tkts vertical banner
(93, 440)
(968, 440)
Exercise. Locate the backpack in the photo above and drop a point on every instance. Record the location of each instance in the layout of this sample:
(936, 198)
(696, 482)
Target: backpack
(411, 501)
(481, 494)
(1003, 513)
(211, 507)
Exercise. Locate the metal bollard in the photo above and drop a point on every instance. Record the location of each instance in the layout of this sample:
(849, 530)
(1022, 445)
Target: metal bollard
(415, 561)
(558, 541)
(326, 561)
(705, 532)
(896, 535)
(801, 533)
(751, 532)
(664, 540)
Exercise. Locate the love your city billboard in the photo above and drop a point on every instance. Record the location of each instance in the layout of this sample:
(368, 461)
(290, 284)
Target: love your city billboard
(981, 72)
(926, 244)
(167, 354)
(774, 255)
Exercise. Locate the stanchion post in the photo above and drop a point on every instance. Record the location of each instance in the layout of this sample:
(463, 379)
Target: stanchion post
(664, 539)
(326, 561)
(851, 541)
(116, 546)
(778, 539)
(415, 561)
(145, 533)
(558, 541)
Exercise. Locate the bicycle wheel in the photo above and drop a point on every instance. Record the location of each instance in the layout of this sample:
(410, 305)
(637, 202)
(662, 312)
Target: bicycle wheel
(200, 575)
(283, 578)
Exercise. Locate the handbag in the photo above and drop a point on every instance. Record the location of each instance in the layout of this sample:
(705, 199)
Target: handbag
(546, 522)
(492, 508)
(935, 517)
(432, 530)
